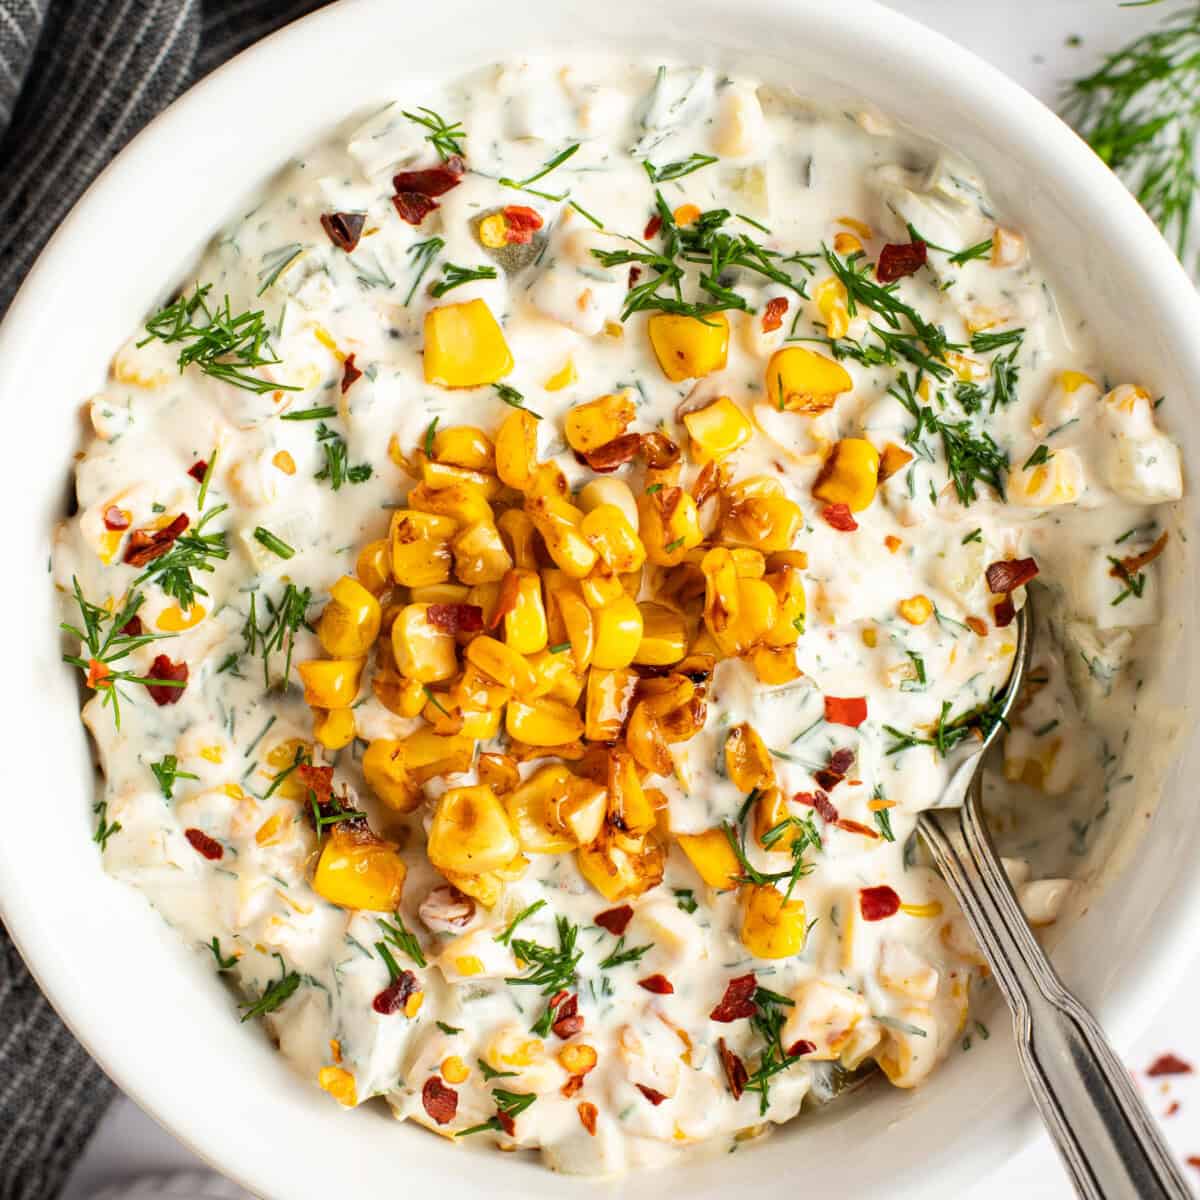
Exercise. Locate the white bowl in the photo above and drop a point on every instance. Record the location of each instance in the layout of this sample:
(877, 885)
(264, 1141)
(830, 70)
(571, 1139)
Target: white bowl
(153, 1012)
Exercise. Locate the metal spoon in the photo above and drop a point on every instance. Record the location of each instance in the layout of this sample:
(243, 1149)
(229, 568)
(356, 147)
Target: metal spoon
(1107, 1139)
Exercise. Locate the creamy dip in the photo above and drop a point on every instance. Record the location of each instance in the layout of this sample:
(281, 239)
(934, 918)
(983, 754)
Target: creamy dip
(571, 807)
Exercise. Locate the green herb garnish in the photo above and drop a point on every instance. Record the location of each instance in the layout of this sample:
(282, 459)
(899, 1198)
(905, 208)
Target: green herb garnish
(167, 771)
(455, 276)
(444, 136)
(275, 995)
(275, 544)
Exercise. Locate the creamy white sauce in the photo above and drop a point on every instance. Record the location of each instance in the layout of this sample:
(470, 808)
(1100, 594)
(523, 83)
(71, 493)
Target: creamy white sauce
(902, 983)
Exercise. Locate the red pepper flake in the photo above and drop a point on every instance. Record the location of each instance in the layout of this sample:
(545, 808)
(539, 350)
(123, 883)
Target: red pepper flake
(197, 470)
(393, 997)
(507, 1123)
(587, 1116)
(116, 518)
(344, 228)
(772, 317)
(652, 227)
(654, 1096)
(164, 668)
(801, 1048)
(203, 844)
(738, 1000)
(318, 780)
(878, 903)
(855, 827)
(1193, 1160)
(1173, 1109)
(823, 805)
(1168, 1064)
(432, 181)
(1010, 574)
(521, 222)
(841, 761)
(899, 259)
(736, 1074)
(615, 920)
(568, 1021)
(558, 997)
(1003, 614)
(412, 207)
(455, 618)
(614, 454)
(635, 273)
(660, 985)
(839, 517)
(846, 710)
(145, 545)
(132, 627)
(572, 1085)
(440, 1102)
(349, 373)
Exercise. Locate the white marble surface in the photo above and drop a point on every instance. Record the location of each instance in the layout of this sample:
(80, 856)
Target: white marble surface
(1034, 41)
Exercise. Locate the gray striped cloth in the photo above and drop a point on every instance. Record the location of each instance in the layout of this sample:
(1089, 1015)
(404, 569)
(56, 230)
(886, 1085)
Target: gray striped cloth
(78, 78)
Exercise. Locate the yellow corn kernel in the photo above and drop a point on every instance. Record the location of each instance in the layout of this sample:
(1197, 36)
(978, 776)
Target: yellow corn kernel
(609, 695)
(439, 476)
(464, 446)
(686, 214)
(916, 610)
(774, 665)
(516, 449)
(421, 547)
(664, 636)
(563, 377)
(480, 555)
(619, 867)
(284, 462)
(519, 538)
(832, 303)
(717, 430)
(712, 856)
(485, 887)
(928, 911)
(846, 244)
(688, 347)
(758, 514)
(499, 772)
(374, 566)
(531, 809)
(525, 629)
(577, 1058)
(747, 761)
(669, 525)
(609, 533)
(422, 650)
(770, 811)
(339, 1083)
(1072, 381)
(565, 544)
(629, 808)
(357, 870)
(412, 1005)
(463, 503)
(454, 1070)
(469, 964)
(849, 475)
(870, 637)
(757, 616)
(349, 624)
(464, 346)
(547, 480)
(544, 722)
(893, 460)
(788, 586)
(175, 620)
(863, 230)
(481, 725)
(804, 381)
(618, 633)
(773, 927)
(556, 677)
(601, 588)
(330, 683)
(493, 231)
(471, 833)
(501, 663)
(578, 624)
(271, 830)
(333, 727)
(596, 423)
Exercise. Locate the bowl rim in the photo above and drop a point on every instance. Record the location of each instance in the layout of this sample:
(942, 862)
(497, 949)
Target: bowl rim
(1047, 140)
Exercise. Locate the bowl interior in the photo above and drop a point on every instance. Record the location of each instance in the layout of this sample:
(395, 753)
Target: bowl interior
(150, 1009)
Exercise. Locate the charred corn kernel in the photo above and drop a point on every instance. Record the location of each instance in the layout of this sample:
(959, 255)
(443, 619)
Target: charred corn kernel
(629, 808)
(480, 555)
(349, 624)
(618, 633)
(454, 1070)
(609, 695)
(581, 809)
(463, 503)
(804, 381)
(717, 430)
(516, 449)
(758, 614)
(567, 546)
(339, 1083)
(893, 460)
(525, 629)
(563, 377)
(712, 856)
(531, 809)
(578, 625)
(556, 677)
(359, 871)
(464, 346)
(471, 833)
(374, 566)
(543, 722)
(480, 724)
(422, 650)
(774, 665)
(577, 1058)
(609, 533)
(721, 594)
(387, 776)
(547, 480)
(333, 727)
(330, 683)
(916, 610)
(832, 303)
(669, 525)
(438, 476)
(596, 423)
(688, 347)
(610, 491)
(686, 214)
(465, 446)
(846, 244)
(499, 772)
(747, 761)
(766, 520)
(664, 636)
(421, 547)
(175, 620)
(849, 475)
(619, 867)
(502, 663)
(773, 927)
(485, 887)
(519, 538)
(601, 588)
(788, 585)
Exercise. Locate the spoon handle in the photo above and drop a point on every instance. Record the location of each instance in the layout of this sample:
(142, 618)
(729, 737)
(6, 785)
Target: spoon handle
(1107, 1139)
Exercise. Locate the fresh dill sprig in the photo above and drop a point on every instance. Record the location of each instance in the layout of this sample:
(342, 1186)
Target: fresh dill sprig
(423, 255)
(223, 963)
(677, 170)
(522, 185)
(104, 829)
(768, 1022)
(553, 967)
(959, 258)
(167, 771)
(506, 936)
(337, 468)
(619, 956)
(950, 731)
(222, 345)
(444, 136)
(284, 618)
(193, 550)
(509, 1105)
(455, 276)
(403, 939)
(275, 995)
